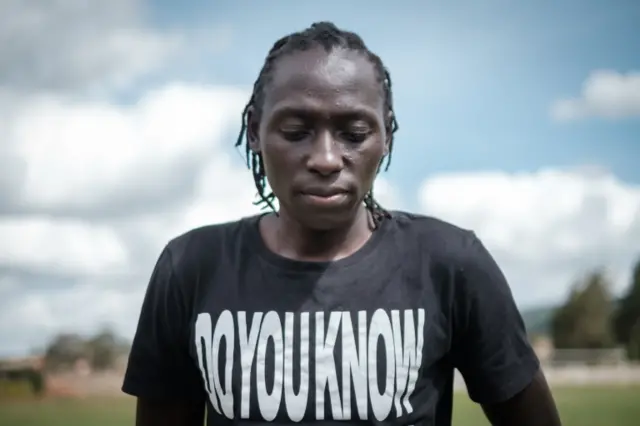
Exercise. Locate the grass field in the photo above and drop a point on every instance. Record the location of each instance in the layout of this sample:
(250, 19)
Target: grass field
(619, 406)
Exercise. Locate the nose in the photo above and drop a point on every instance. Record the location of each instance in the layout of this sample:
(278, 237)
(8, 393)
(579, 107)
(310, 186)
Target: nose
(325, 157)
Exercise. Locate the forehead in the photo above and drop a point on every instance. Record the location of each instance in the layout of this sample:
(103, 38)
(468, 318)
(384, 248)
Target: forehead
(337, 81)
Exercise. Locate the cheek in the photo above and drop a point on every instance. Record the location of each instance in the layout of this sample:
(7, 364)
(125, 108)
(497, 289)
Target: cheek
(277, 164)
(370, 158)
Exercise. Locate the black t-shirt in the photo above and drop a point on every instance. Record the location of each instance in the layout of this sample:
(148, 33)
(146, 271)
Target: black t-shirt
(373, 337)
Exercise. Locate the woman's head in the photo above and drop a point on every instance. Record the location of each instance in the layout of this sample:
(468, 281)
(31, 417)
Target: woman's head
(319, 125)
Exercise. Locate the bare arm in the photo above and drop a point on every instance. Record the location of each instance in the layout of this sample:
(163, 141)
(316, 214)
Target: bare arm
(150, 412)
(491, 348)
(533, 406)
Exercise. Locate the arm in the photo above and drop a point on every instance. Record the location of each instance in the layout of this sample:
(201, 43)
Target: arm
(532, 407)
(160, 372)
(490, 346)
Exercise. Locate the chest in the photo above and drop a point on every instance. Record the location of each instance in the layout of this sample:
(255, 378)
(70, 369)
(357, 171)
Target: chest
(301, 347)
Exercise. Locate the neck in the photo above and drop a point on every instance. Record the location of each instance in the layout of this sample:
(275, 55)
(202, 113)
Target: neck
(288, 237)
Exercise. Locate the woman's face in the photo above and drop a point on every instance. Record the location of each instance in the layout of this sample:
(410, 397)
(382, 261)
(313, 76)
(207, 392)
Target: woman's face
(321, 134)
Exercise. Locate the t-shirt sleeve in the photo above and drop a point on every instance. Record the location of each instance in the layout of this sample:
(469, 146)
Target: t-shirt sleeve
(490, 346)
(159, 364)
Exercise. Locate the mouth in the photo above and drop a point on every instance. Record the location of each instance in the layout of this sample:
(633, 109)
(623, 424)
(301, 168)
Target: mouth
(325, 197)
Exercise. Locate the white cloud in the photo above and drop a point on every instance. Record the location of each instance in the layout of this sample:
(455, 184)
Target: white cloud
(223, 191)
(606, 94)
(386, 194)
(544, 228)
(56, 45)
(90, 190)
(34, 316)
(63, 246)
(85, 155)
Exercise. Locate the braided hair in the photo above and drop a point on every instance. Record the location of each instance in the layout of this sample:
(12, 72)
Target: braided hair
(327, 35)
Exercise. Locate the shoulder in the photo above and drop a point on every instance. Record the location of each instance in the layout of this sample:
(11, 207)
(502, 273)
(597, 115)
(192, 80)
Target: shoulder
(205, 243)
(428, 226)
(439, 240)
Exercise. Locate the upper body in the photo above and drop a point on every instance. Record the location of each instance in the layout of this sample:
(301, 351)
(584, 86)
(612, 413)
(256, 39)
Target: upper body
(331, 308)
(375, 335)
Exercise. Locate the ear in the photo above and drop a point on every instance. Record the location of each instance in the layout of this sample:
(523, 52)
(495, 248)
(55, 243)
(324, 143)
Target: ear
(253, 130)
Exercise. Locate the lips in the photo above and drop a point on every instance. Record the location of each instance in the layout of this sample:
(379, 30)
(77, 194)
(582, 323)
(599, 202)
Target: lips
(325, 197)
(324, 192)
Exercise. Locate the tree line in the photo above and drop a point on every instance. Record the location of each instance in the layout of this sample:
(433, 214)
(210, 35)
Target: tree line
(101, 351)
(591, 318)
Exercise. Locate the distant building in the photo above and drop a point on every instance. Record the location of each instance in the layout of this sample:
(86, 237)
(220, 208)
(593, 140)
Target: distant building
(10, 365)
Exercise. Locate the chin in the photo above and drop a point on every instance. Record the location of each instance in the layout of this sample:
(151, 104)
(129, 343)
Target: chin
(321, 216)
(328, 220)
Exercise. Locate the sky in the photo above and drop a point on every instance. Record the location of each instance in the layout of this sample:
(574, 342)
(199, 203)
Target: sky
(518, 120)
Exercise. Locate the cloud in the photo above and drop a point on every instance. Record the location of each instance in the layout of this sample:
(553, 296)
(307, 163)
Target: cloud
(66, 45)
(72, 247)
(101, 187)
(387, 195)
(93, 158)
(607, 94)
(544, 228)
(72, 173)
(33, 317)
(91, 189)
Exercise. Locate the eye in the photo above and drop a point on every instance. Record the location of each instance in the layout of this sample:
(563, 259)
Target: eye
(294, 134)
(355, 135)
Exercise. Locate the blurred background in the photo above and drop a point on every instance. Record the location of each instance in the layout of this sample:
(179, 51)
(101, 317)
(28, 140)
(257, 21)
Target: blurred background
(518, 120)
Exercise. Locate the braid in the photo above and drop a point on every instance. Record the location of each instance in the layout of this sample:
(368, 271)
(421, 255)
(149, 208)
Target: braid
(327, 35)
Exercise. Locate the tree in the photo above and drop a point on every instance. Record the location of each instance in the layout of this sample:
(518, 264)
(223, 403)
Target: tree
(633, 346)
(563, 322)
(584, 321)
(64, 350)
(627, 316)
(103, 350)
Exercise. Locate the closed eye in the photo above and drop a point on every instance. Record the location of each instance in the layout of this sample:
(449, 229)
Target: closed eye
(294, 135)
(355, 137)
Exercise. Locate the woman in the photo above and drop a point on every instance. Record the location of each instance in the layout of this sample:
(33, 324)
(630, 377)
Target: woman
(332, 309)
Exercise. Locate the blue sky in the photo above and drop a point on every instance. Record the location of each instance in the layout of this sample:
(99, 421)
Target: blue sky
(473, 81)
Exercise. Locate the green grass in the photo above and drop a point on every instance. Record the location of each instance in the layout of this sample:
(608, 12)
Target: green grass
(619, 406)
(15, 389)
